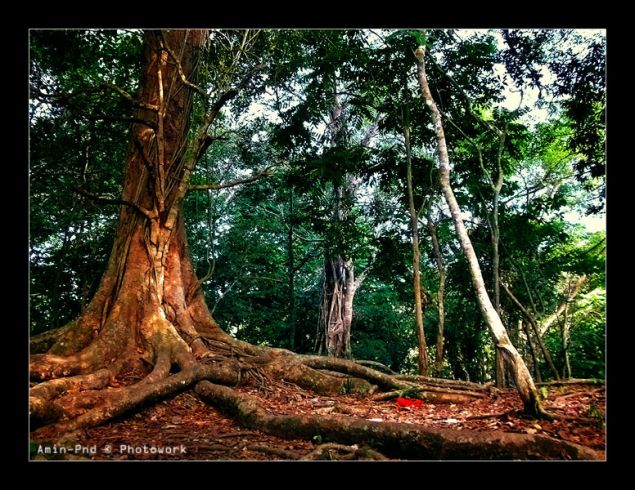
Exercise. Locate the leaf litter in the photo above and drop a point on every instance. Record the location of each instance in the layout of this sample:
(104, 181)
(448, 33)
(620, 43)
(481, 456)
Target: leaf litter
(207, 434)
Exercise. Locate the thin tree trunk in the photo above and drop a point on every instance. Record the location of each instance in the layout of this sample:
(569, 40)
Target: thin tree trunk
(501, 380)
(522, 376)
(416, 255)
(499, 362)
(534, 327)
(567, 361)
(532, 352)
(565, 340)
(438, 361)
(495, 251)
(291, 274)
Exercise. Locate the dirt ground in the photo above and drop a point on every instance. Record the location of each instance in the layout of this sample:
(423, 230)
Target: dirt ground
(185, 428)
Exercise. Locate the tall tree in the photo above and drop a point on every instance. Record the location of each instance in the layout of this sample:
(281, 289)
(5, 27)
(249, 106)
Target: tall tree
(416, 257)
(149, 308)
(438, 258)
(524, 381)
(340, 283)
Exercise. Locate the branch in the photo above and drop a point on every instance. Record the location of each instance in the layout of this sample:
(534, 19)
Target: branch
(309, 240)
(466, 97)
(87, 90)
(204, 140)
(195, 287)
(372, 132)
(520, 306)
(544, 326)
(130, 98)
(66, 101)
(104, 117)
(306, 259)
(532, 322)
(360, 278)
(199, 145)
(120, 202)
(476, 146)
(233, 183)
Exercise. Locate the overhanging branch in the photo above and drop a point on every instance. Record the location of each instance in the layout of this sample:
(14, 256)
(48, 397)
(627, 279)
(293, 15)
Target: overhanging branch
(118, 202)
(233, 183)
(65, 97)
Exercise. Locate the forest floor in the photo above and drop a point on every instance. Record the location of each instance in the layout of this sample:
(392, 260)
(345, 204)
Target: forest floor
(192, 430)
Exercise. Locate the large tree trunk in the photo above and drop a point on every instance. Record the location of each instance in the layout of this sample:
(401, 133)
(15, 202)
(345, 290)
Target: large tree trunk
(416, 258)
(148, 272)
(337, 306)
(522, 377)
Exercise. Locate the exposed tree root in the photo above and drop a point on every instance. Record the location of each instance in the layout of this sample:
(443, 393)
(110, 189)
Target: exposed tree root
(392, 439)
(80, 401)
(294, 369)
(40, 396)
(43, 342)
(568, 382)
(384, 381)
(447, 383)
(118, 401)
(69, 403)
(282, 453)
(376, 365)
(432, 394)
(339, 452)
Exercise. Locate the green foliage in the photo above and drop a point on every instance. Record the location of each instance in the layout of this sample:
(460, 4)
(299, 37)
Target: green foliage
(71, 147)
(349, 198)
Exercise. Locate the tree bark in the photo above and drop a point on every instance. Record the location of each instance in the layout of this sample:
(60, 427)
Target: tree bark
(416, 257)
(339, 290)
(522, 377)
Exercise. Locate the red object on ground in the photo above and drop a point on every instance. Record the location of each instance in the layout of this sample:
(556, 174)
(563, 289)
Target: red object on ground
(407, 402)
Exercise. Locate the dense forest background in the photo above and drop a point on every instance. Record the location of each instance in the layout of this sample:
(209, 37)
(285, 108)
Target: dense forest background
(312, 162)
